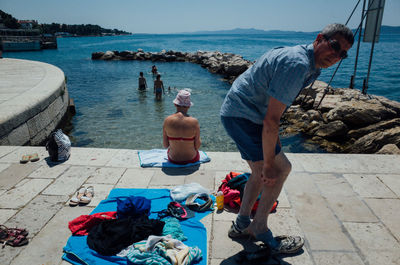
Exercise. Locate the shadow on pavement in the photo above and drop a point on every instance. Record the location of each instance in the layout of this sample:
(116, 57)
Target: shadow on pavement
(254, 253)
(175, 171)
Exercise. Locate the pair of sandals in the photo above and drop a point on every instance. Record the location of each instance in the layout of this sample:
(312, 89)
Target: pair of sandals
(29, 157)
(83, 196)
(14, 237)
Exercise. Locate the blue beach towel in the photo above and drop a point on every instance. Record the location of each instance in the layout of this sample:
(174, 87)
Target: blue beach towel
(78, 252)
(159, 158)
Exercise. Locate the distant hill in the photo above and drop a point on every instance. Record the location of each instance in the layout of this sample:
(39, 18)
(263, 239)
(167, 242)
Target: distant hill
(241, 31)
(384, 30)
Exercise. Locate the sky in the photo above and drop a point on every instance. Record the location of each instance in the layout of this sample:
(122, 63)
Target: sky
(175, 16)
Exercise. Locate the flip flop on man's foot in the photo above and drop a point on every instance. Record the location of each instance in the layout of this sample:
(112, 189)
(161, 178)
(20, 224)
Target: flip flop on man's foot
(74, 201)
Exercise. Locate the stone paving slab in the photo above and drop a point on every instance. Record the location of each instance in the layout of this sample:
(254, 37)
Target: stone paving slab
(141, 178)
(345, 219)
(13, 174)
(4, 166)
(392, 182)
(47, 206)
(375, 243)
(337, 258)
(106, 175)
(46, 171)
(52, 238)
(69, 182)
(23, 193)
(388, 211)
(125, 158)
(369, 186)
(340, 197)
(314, 215)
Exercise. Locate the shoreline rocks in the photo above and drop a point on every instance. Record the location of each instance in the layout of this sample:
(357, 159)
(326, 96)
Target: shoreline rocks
(228, 65)
(346, 121)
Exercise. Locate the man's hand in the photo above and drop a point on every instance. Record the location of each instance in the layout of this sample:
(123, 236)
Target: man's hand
(269, 175)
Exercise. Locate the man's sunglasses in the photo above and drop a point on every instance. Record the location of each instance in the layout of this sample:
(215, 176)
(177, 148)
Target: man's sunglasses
(335, 45)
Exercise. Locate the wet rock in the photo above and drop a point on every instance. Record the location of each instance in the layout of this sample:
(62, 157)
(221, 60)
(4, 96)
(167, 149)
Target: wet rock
(380, 126)
(333, 129)
(359, 113)
(97, 55)
(374, 141)
(108, 55)
(389, 149)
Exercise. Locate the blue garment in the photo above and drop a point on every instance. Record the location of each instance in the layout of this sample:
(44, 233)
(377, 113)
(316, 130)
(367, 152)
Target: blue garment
(133, 206)
(280, 73)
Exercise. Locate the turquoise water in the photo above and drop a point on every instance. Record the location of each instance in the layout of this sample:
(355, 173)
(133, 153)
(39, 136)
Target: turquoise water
(112, 113)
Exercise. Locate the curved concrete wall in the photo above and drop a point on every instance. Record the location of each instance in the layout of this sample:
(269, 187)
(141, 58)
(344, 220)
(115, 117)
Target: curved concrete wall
(33, 100)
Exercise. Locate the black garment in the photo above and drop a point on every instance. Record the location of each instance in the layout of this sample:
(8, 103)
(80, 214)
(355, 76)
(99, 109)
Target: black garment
(111, 236)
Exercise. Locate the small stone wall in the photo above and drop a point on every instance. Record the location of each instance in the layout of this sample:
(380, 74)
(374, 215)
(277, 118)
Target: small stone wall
(228, 65)
(30, 116)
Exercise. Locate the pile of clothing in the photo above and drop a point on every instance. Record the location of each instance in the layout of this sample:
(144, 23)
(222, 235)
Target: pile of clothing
(131, 234)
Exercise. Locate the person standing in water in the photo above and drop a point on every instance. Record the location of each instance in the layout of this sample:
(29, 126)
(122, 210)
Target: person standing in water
(154, 70)
(142, 82)
(158, 87)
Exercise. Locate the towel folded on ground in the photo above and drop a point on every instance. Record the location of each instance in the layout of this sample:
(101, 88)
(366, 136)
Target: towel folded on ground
(159, 158)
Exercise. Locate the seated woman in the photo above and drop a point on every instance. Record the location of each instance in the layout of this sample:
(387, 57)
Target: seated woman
(181, 133)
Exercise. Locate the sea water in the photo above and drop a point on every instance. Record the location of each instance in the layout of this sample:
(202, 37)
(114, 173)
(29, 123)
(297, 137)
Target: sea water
(112, 113)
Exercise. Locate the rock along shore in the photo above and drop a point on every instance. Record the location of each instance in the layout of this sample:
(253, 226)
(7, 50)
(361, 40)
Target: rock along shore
(346, 121)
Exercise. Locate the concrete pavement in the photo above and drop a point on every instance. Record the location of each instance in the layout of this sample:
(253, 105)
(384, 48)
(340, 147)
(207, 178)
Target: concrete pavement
(347, 207)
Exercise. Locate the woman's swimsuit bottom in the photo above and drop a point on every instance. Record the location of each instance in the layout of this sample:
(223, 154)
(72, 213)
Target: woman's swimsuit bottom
(180, 138)
(195, 159)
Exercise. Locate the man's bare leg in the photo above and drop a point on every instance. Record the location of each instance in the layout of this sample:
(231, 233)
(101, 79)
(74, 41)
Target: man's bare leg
(269, 193)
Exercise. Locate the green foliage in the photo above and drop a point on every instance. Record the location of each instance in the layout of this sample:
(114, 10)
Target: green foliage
(80, 30)
(9, 21)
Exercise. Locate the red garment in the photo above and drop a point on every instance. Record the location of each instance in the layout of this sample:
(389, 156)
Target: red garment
(82, 224)
(232, 196)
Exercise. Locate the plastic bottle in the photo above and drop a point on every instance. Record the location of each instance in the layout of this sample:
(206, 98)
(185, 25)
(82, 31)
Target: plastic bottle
(220, 200)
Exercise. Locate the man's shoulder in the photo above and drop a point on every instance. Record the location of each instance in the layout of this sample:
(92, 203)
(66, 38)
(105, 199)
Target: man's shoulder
(294, 53)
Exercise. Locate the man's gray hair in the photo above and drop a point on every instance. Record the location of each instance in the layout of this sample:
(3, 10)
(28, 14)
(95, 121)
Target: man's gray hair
(336, 28)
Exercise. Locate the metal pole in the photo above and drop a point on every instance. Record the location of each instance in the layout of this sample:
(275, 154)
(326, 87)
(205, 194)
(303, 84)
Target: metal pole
(364, 91)
(353, 77)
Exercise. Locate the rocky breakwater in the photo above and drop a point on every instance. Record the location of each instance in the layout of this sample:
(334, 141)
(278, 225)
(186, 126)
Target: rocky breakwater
(228, 65)
(346, 121)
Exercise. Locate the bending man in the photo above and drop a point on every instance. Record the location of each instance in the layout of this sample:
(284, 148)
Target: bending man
(251, 113)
